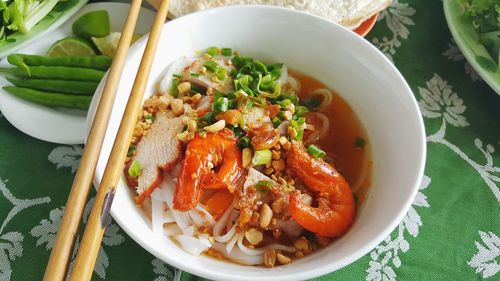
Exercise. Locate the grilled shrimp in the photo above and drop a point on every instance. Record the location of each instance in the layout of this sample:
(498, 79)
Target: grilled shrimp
(203, 154)
(335, 211)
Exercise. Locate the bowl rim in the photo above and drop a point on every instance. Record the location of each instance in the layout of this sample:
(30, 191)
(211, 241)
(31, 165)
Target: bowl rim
(314, 271)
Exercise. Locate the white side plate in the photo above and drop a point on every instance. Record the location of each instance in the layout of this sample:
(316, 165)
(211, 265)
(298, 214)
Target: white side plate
(59, 125)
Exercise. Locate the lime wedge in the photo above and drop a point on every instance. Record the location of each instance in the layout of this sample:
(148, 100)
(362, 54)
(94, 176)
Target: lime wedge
(107, 45)
(92, 24)
(71, 46)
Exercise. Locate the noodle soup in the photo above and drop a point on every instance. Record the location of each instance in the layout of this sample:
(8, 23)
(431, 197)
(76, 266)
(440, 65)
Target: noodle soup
(247, 161)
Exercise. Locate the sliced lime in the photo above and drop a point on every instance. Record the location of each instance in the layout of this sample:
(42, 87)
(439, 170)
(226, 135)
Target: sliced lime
(71, 46)
(92, 24)
(107, 45)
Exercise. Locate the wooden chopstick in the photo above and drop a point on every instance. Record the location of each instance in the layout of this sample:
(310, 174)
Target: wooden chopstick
(94, 230)
(63, 247)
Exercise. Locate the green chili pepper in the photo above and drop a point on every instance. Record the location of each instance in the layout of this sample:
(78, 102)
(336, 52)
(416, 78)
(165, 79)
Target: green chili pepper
(56, 72)
(50, 99)
(59, 86)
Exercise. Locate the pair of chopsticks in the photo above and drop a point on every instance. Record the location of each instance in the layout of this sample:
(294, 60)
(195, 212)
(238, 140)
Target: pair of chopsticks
(86, 257)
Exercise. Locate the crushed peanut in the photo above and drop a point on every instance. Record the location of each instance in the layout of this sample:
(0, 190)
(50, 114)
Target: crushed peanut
(254, 236)
(282, 259)
(266, 214)
(269, 258)
(279, 165)
(275, 154)
(302, 244)
(177, 107)
(246, 157)
(184, 87)
(268, 171)
(192, 125)
(277, 205)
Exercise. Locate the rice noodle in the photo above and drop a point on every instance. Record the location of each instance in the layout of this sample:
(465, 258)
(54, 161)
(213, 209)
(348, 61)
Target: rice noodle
(281, 247)
(232, 242)
(168, 217)
(247, 250)
(156, 212)
(293, 83)
(238, 256)
(201, 217)
(284, 75)
(327, 98)
(175, 67)
(220, 224)
(192, 245)
(190, 230)
(232, 219)
(171, 229)
(260, 251)
(320, 131)
(181, 218)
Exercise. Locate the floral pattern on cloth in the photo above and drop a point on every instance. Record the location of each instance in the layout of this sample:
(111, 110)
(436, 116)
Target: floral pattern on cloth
(451, 231)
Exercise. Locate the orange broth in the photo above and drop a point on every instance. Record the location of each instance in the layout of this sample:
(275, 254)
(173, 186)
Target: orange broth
(353, 162)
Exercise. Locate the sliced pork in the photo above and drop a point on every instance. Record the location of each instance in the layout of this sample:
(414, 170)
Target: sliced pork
(159, 150)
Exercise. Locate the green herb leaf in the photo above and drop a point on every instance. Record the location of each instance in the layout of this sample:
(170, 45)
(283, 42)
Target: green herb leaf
(359, 142)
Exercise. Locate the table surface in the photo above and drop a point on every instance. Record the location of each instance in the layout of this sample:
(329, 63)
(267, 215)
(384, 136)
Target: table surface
(451, 231)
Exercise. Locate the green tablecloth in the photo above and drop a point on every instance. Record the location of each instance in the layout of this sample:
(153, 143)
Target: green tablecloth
(451, 231)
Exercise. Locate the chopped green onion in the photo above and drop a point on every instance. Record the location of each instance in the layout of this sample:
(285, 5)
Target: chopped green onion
(261, 157)
(149, 118)
(292, 98)
(300, 135)
(195, 74)
(131, 150)
(226, 52)
(284, 103)
(238, 132)
(174, 91)
(359, 142)
(297, 124)
(135, 169)
(212, 51)
(266, 83)
(301, 110)
(211, 66)
(264, 186)
(177, 76)
(209, 117)
(244, 142)
(315, 151)
(221, 104)
(245, 80)
(197, 88)
(276, 121)
(221, 73)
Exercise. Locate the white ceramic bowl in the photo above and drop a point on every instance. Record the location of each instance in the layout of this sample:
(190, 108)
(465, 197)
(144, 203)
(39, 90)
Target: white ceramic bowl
(343, 61)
